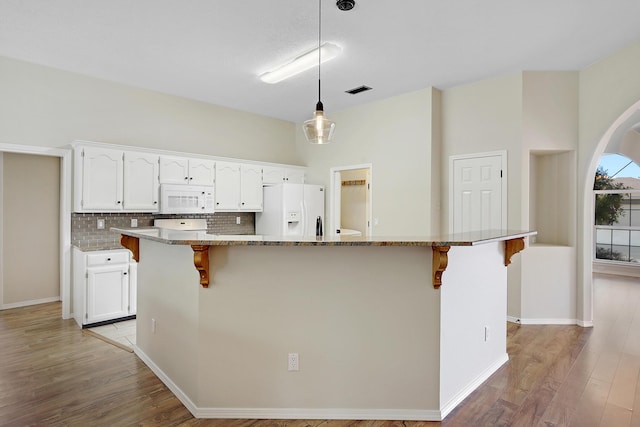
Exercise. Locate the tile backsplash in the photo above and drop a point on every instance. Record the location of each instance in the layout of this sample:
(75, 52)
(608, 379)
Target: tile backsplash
(85, 232)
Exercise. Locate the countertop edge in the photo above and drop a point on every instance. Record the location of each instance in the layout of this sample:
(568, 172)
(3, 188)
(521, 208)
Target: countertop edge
(472, 239)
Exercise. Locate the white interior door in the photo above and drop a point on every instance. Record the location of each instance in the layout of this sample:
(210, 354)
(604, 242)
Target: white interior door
(478, 192)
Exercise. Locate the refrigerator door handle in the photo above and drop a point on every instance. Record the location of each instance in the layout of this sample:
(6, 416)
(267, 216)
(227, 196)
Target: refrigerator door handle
(303, 207)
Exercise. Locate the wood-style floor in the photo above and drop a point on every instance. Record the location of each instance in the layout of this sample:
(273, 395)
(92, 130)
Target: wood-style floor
(53, 375)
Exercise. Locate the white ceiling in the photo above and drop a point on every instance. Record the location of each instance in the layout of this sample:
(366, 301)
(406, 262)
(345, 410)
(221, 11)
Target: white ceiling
(213, 50)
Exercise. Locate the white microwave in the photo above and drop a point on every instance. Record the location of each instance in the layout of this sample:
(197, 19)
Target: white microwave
(186, 199)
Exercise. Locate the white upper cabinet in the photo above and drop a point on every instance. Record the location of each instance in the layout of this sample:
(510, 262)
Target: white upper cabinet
(140, 182)
(108, 180)
(278, 175)
(296, 176)
(238, 187)
(201, 172)
(174, 170)
(181, 170)
(101, 174)
(251, 187)
(227, 192)
(116, 179)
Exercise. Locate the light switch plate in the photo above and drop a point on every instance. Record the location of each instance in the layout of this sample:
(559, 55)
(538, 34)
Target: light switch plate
(100, 224)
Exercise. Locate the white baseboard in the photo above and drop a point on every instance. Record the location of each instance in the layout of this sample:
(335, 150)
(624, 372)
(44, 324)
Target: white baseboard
(182, 397)
(320, 414)
(548, 321)
(472, 386)
(28, 303)
(288, 413)
(583, 323)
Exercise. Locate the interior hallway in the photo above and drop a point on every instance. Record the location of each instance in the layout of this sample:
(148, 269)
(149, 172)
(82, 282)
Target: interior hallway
(52, 374)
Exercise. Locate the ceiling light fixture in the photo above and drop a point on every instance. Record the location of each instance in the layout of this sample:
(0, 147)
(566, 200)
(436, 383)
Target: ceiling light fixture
(301, 63)
(319, 130)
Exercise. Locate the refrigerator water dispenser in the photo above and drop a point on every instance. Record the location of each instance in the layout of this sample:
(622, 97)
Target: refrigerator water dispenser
(293, 216)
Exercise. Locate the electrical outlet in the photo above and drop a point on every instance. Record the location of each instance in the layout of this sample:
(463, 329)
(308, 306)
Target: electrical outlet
(100, 224)
(238, 220)
(486, 333)
(293, 362)
(153, 326)
(134, 222)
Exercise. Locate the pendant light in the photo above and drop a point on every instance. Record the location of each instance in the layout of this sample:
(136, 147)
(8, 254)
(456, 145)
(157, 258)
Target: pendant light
(319, 130)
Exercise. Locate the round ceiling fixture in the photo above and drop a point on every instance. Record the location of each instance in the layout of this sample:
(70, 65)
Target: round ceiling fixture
(345, 4)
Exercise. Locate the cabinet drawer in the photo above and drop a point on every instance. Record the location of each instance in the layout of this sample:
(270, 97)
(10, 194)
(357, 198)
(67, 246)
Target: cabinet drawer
(107, 258)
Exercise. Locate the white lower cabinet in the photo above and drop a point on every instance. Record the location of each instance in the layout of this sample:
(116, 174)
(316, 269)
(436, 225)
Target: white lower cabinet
(103, 284)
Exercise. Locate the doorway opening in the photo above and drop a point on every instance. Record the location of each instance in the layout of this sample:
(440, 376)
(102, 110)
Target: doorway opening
(351, 207)
(623, 136)
(63, 229)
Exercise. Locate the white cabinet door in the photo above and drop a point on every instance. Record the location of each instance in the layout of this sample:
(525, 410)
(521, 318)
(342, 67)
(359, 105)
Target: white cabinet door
(101, 179)
(107, 293)
(227, 191)
(141, 182)
(277, 175)
(251, 188)
(295, 176)
(174, 170)
(201, 172)
(272, 175)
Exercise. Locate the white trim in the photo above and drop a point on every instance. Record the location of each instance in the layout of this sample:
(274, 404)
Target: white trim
(177, 391)
(505, 175)
(513, 319)
(28, 303)
(320, 414)
(472, 386)
(332, 197)
(548, 321)
(288, 413)
(517, 320)
(65, 215)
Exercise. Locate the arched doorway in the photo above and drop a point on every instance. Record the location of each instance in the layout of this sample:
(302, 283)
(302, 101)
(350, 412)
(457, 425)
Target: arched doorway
(623, 134)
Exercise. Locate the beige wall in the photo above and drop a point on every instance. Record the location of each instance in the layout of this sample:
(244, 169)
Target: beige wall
(31, 222)
(47, 107)
(396, 136)
(607, 89)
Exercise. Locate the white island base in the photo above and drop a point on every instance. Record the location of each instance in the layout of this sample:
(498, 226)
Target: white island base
(375, 338)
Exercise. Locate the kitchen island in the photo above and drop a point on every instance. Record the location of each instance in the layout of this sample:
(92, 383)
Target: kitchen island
(383, 328)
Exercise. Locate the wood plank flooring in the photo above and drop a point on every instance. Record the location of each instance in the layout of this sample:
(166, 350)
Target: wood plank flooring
(53, 375)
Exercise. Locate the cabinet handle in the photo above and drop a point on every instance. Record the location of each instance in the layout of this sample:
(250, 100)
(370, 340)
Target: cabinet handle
(108, 259)
(155, 203)
(217, 203)
(190, 178)
(242, 203)
(118, 202)
(186, 177)
(124, 272)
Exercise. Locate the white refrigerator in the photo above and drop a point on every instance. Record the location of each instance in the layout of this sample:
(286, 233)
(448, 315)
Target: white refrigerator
(291, 210)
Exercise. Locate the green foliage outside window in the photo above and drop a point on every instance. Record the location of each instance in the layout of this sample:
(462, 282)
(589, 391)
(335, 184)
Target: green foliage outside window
(608, 206)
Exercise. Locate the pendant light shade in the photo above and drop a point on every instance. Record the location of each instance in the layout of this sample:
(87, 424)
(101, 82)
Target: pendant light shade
(319, 129)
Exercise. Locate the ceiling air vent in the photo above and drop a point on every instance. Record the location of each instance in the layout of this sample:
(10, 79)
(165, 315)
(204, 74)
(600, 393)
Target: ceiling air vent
(359, 89)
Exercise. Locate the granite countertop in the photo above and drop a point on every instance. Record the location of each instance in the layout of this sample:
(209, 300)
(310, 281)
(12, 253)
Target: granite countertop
(177, 237)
